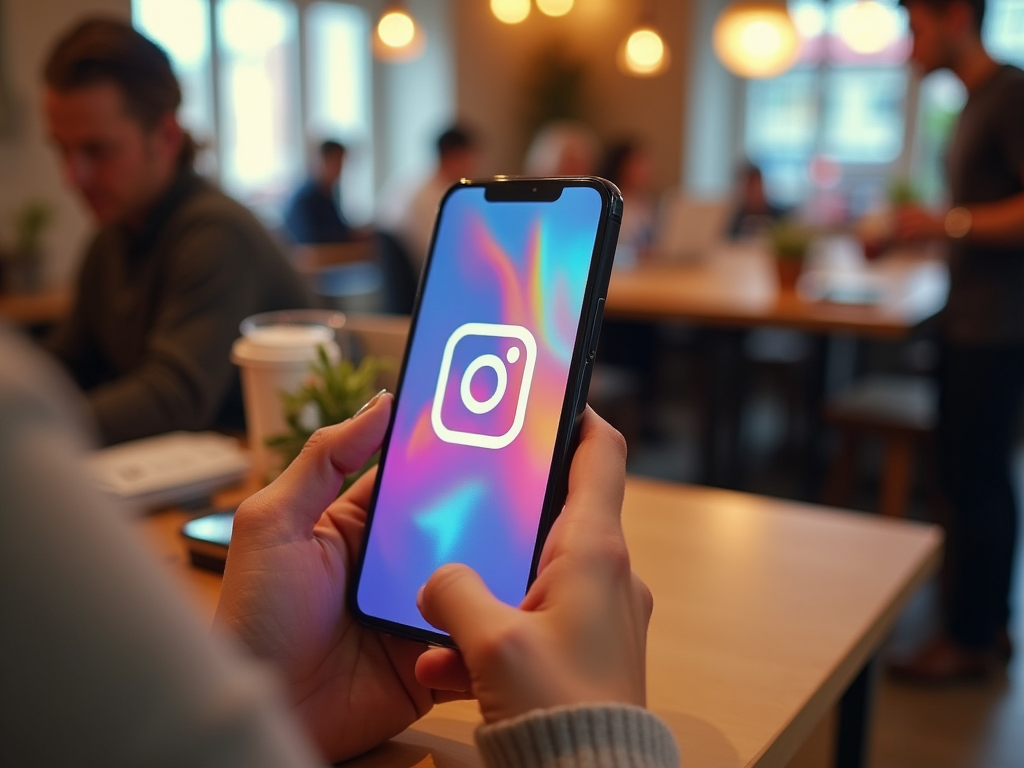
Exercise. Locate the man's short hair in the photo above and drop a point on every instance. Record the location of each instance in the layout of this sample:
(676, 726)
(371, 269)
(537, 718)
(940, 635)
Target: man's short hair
(454, 139)
(102, 50)
(331, 147)
(939, 6)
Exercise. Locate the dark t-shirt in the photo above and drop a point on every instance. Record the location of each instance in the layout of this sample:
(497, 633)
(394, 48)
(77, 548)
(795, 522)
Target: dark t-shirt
(313, 217)
(986, 165)
(156, 313)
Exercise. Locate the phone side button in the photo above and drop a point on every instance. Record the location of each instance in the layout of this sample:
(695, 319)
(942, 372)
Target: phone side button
(595, 330)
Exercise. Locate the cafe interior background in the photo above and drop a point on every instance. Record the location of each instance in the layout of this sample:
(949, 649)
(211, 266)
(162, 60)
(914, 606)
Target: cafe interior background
(828, 108)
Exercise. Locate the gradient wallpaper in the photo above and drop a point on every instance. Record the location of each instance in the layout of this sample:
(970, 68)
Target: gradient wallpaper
(462, 482)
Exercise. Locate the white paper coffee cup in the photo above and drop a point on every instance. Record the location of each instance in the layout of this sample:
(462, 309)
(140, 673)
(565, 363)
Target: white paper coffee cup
(274, 358)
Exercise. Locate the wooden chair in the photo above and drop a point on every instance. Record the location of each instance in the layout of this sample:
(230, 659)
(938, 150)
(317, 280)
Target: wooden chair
(898, 410)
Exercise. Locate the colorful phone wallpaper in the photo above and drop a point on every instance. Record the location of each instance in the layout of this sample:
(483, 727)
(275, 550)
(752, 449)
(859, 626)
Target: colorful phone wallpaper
(474, 433)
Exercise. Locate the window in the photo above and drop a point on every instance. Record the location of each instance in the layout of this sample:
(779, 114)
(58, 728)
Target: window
(250, 113)
(838, 111)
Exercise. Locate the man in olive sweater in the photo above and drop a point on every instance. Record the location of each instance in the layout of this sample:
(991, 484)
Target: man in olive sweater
(175, 266)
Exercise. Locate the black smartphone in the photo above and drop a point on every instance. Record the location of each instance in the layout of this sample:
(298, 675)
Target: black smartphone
(207, 538)
(495, 377)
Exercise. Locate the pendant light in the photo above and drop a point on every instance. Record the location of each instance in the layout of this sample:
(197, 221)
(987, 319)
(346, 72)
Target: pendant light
(397, 36)
(644, 53)
(867, 26)
(554, 7)
(510, 11)
(756, 38)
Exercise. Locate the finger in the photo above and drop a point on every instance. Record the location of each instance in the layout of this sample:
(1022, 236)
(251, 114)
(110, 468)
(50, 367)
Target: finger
(597, 482)
(297, 499)
(354, 502)
(443, 670)
(456, 600)
(597, 478)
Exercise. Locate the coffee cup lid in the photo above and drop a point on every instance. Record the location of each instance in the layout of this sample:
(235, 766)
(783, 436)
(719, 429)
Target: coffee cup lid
(283, 343)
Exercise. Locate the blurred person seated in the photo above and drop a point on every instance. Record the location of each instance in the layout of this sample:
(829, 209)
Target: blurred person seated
(628, 165)
(753, 214)
(410, 217)
(313, 215)
(174, 266)
(562, 148)
(108, 666)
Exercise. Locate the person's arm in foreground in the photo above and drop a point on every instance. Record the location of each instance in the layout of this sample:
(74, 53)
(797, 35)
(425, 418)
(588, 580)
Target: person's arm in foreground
(575, 648)
(102, 661)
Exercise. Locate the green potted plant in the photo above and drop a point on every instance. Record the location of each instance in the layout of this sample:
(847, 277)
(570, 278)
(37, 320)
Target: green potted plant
(24, 268)
(790, 242)
(332, 393)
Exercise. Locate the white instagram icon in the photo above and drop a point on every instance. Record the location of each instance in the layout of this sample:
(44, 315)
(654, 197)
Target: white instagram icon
(496, 364)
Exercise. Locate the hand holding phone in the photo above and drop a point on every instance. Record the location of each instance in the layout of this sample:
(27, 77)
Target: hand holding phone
(581, 633)
(285, 591)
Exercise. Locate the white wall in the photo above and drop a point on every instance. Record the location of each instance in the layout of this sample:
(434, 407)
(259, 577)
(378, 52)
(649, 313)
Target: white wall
(28, 167)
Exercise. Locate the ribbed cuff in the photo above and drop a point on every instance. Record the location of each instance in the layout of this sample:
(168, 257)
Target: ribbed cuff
(605, 735)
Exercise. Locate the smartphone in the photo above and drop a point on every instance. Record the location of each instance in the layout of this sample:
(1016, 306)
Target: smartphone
(504, 331)
(207, 538)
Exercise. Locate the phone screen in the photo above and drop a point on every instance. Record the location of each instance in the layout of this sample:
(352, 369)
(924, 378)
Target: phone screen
(470, 452)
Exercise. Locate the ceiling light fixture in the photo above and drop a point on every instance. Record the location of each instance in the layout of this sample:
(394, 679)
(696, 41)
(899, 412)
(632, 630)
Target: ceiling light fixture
(510, 11)
(644, 53)
(554, 7)
(756, 39)
(398, 37)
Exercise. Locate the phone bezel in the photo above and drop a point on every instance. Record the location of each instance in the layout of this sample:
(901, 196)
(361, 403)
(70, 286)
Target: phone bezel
(577, 382)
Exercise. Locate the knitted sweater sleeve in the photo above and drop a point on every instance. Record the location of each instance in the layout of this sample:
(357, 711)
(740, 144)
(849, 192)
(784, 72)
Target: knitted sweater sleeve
(605, 735)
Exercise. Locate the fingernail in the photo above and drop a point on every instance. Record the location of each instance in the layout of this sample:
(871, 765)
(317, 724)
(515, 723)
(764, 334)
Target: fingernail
(369, 403)
(419, 598)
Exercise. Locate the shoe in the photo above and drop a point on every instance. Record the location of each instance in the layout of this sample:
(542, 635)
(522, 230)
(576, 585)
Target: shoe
(944, 661)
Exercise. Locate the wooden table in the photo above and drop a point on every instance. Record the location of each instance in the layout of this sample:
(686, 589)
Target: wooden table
(766, 612)
(43, 308)
(736, 287)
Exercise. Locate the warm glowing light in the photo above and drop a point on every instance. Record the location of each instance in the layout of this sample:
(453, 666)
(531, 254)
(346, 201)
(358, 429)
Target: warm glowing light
(396, 29)
(867, 26)
(756, 39)
(809, 19)
(554, 7)
(510, 11)
(643, 53)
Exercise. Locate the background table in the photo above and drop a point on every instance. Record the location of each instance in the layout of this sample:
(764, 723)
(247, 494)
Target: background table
(733, 289)
(36, 309)
(765, 613)
(736, 287)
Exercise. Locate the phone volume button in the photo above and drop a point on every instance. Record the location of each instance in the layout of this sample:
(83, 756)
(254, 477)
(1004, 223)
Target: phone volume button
(595, 330)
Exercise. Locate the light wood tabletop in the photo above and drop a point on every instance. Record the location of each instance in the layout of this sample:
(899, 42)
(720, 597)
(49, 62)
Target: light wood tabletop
(43, 308)
(737, 287)
(765, 611)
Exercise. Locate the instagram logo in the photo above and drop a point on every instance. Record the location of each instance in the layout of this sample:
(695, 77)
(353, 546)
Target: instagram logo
(484, 383)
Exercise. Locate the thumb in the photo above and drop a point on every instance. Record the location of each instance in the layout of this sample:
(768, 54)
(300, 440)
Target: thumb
(456, 600)
(297, 499)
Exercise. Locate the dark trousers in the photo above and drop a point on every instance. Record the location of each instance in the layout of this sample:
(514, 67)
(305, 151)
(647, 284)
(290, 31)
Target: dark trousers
(979, 405)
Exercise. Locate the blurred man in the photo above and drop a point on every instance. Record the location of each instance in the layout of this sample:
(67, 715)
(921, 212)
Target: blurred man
(313, 214)
(412, 219)
(174, 266)
(981, 373)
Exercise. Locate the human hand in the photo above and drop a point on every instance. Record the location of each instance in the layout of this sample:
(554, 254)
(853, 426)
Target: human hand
(915, 223)
(580, 634)
(285, 594)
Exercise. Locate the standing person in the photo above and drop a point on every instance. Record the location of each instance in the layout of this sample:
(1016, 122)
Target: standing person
(174, 266)
(981, 373)
(313, 214)
(411, 218)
